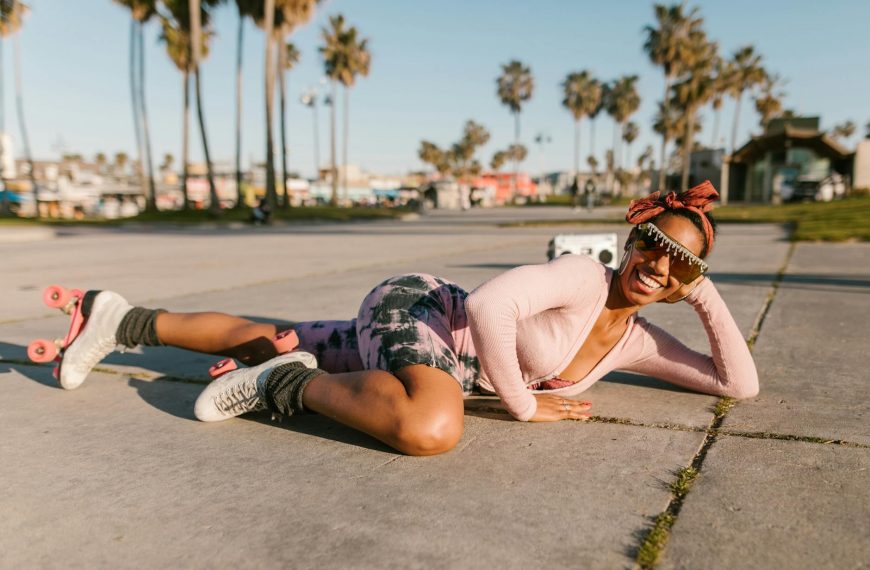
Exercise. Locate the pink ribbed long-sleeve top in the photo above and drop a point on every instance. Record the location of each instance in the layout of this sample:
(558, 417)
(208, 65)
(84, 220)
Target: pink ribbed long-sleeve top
(528, 323)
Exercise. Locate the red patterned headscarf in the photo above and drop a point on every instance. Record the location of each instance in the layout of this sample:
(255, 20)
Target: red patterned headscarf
(698, 199)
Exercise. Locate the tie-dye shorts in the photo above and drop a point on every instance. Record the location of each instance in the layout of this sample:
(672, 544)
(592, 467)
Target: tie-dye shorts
(406, 320)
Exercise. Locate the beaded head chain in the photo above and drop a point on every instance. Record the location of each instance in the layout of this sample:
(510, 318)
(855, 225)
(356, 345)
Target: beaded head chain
(675, 250)
(698, 199)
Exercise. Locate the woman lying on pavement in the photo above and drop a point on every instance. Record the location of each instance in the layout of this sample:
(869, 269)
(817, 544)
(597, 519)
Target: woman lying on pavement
(536, 336)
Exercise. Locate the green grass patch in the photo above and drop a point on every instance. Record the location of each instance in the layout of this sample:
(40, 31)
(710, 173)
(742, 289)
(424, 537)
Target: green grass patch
(654, 542)
(302, 214)
(685, 478)
(723, 406)
(840, 220)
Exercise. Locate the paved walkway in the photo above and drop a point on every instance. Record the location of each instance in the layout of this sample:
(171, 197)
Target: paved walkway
(117, 473)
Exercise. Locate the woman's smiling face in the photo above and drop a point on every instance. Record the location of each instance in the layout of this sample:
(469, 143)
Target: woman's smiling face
(645, 277)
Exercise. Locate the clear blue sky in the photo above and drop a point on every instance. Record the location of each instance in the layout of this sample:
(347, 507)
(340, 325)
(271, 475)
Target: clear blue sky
(434, 66)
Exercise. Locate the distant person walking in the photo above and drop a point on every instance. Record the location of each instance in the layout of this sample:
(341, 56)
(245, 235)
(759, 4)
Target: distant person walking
(589, 193)
(262, 212)
(575, 194)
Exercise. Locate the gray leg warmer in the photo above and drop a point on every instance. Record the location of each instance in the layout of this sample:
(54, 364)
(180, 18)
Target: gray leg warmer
(139, 327)
(284, 387)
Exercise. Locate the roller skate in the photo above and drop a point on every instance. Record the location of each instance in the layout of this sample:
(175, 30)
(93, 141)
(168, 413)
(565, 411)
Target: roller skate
(94, 319)
(236, 391)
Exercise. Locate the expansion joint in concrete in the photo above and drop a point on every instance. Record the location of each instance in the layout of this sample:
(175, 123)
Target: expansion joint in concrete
(653, 543)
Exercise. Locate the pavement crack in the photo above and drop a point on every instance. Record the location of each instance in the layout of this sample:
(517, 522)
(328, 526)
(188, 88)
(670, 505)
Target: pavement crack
(771, 294)
(654, 541)
(791, 437)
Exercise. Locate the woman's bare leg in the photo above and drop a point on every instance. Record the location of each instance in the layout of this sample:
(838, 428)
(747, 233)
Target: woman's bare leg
(218, 333)
(418, 411)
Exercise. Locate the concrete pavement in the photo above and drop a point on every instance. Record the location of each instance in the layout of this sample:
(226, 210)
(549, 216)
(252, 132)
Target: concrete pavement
(117, 473)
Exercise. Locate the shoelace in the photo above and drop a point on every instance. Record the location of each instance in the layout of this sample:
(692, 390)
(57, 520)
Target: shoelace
(96, 353)
(239, 398)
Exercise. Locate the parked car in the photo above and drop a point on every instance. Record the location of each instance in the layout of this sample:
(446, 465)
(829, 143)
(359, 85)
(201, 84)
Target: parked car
(824, 190)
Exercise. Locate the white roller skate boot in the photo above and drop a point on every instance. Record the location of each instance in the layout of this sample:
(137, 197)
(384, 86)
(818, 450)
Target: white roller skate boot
(242, 390)
(103, 311)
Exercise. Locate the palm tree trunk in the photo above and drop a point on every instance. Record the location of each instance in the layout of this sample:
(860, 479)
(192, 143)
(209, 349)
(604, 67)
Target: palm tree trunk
(333, 171)
(316, 142)
(4, 209)
(239, 42)
(592, 140)
(717, 116)
(25, 140)
(736, 121)
(215, 206)
(688, 139)
(151, 194)
(517, 143)
(665, 106)
(271, 193)
(344, 137)
(195, 42)
(282, 77)
(185, 139)
(134, 97)
(615, 157)
(576, 147)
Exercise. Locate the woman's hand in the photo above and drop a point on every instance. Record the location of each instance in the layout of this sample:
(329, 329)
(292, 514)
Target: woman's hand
(683, 291)
(555, 408)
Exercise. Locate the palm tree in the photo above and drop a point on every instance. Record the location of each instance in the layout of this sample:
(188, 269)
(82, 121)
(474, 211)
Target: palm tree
(629, 134)
(246, 9)
(498, 160)
(289, 14)
(668, 123)
(474, 136)
(176, 34)
(288, 56)
(430, 153)
(768, 101)
(622, 102)
(515, 86)
(141, 12)
(602, 99)
(693, 91)
(197, 19)
(844, 130)
(277, 18)
(11, 19)
(100, 161)
(310, 99)
(593, 163)
(582, 96)
(344, 58)
(12, 22)
(723, 80)
(747, 73)
(668, 45)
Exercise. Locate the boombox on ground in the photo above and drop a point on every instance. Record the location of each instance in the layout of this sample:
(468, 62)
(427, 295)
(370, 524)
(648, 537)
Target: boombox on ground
(600, 247)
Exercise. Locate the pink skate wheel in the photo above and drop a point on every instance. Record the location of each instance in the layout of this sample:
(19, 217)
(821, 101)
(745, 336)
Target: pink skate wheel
(42, 350)
(222, 367)
(56, 296)
(285, 341)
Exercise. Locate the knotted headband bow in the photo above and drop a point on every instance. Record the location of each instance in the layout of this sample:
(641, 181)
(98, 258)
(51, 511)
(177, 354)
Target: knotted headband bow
(698, 199)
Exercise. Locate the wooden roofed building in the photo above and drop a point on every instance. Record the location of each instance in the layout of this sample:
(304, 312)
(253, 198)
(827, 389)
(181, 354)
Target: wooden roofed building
(792, 152)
